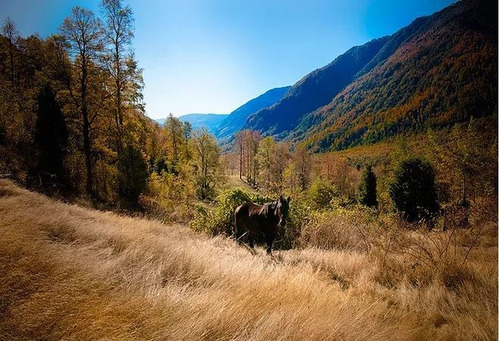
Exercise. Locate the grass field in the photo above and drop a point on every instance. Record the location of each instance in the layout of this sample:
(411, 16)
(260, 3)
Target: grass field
(77, 274)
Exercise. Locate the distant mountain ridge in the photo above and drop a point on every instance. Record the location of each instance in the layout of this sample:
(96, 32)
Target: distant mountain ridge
(236, 119)
(198, 121)
(438, 70)
(313, 91)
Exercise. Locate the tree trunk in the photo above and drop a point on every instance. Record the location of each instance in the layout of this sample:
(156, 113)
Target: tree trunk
(86, 129)
(118, 101)
(464, 199)
(241, 160)
(87, 152)
(11, 55)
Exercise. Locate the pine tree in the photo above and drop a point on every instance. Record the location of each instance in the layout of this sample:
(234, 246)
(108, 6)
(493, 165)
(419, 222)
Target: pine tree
(368, 188)
(51, 136)
(413, 191)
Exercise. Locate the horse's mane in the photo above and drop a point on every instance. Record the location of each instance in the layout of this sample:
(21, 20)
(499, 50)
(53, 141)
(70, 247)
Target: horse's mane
(269, 207)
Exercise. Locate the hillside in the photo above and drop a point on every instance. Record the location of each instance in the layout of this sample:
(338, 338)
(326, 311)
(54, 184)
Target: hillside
(439, 70)
(78, 274)
(236, 119)
(445, 72)
(313, 91)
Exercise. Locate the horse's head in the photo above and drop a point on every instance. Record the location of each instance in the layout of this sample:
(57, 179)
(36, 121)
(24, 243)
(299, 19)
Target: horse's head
(282, 209)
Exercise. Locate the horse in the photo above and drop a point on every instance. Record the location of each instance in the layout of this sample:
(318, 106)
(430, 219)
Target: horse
(261, 219)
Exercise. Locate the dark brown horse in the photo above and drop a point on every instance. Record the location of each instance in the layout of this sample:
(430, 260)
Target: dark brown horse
(261, 219)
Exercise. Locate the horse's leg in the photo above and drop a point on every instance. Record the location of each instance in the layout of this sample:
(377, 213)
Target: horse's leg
(251, 239)
(237, 227)
(269, 242)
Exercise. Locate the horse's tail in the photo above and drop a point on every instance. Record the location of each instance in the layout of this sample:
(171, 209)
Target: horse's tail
(235, 221)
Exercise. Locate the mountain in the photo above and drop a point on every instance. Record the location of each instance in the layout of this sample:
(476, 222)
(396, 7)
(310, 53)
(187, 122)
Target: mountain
(237, 118)
(313, 91)
(438, 70)
(208, 121)
(198, 121)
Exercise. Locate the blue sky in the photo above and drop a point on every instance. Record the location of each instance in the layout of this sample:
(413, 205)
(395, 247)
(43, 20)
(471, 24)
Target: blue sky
(202, 56)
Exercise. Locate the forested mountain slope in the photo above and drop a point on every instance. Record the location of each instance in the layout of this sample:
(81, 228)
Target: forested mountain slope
(445, 72)
(439, 70)
(313, 91)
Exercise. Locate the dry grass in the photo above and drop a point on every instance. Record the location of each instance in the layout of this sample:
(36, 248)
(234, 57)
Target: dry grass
(76, 274)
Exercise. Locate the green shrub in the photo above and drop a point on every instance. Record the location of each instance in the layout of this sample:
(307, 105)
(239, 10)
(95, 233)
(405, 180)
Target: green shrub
(298, 217)
(413, 191)
(220, 219)
(132, 174)
(322, 193)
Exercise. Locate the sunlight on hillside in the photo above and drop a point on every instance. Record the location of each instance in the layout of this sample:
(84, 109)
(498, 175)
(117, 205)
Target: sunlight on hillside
(74, 273)
(358, 202)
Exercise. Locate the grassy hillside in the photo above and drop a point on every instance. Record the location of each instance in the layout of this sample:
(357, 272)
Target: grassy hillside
(77, 274)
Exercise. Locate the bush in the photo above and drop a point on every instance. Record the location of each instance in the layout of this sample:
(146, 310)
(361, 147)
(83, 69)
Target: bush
(220, 219)
(298, 217)
(132, 174)
(321, 194)
(413, 191)
(168, 198)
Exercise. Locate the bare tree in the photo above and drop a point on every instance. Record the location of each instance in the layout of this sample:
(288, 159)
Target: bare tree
(240, 145)
(10, 32)
(118, 34)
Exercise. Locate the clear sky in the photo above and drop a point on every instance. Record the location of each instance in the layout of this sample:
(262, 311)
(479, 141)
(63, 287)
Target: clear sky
(211, 56)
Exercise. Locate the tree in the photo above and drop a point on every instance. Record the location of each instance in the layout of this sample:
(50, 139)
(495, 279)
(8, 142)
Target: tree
(118, 34)
(413, 189)
(253, 138)
(368, 188)
(186, 131)
(176, 133)
(265, 159)
(247, 143)
(466, 159)
(8, 100)
(206, 163)
(133, 173)
(302, 161)
(281, 159)
(10, 32)
(239, 144)
(82, 31)
(321, 193)
(51, 135)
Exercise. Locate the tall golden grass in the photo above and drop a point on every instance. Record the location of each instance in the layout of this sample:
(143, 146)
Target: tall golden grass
(72, 273)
